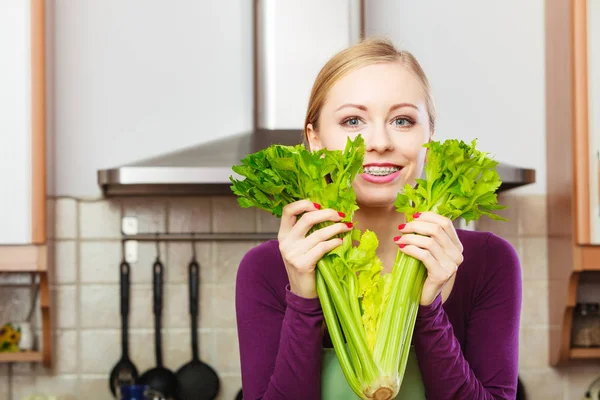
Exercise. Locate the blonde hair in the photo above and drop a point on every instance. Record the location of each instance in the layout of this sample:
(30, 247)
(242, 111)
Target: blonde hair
(367, 52)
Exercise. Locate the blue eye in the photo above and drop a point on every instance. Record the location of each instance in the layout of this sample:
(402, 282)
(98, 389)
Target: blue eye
(352, 122)
(402, 122)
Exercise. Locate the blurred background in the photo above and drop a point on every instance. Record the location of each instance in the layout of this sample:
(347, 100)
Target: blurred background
(120, 120)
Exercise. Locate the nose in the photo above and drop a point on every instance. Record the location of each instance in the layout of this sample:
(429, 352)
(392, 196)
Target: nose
(378, 139)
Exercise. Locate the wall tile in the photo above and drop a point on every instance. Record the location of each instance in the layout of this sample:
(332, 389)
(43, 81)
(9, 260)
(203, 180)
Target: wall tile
(22, 386)
(94, 388)
(505, 229)
(141, 349)
(100, 306)
(65, 351)
(176, 312)
(546, 383)
(227, 259)
(50, 218)
(178, 347)
(267, 222)
(100, 219)
(579, 378)
(151, 213)
(533, 347)
(100, 262)
(230, 386)
(534, 310)
(179, 257)
(223, 307)
(64, 262)
(535, 258)
(141, 271)
(228, 216)
(140, 307)
(532, 216)
(65, 387)
(66, 218)
(228, 354)
(64, 313)
(100, 350)
(4, 385)
(190, 215)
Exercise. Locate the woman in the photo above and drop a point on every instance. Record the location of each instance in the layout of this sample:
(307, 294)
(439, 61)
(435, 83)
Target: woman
(467, 328)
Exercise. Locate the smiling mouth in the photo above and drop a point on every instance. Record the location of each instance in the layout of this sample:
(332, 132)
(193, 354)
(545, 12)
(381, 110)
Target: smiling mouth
(381, 170)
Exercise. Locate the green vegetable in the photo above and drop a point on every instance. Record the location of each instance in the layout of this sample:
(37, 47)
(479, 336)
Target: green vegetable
(374, 312)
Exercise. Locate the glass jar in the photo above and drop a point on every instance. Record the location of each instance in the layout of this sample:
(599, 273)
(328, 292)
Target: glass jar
(586, 325)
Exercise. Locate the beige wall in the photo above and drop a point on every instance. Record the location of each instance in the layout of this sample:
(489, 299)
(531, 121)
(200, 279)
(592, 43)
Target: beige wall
(86, 306)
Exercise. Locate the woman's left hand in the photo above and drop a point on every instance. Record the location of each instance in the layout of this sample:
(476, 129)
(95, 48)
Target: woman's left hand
(437, 245)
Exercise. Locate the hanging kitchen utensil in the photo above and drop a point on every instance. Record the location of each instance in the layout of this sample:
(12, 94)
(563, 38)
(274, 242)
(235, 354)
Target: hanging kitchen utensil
(125, 372)
(159, 378)
(197, 380)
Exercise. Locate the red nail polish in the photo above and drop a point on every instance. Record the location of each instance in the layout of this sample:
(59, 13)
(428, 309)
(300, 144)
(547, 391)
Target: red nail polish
(341, 214)
(401, 226)
(416, 215)
(402, 245)
(317, 206)
(396, 238)
(349, 224)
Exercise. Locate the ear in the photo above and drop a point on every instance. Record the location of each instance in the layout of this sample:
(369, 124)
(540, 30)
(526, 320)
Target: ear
(313, 138)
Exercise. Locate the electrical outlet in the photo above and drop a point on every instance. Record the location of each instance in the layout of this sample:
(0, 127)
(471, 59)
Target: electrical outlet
(131, 251)
(129, 225)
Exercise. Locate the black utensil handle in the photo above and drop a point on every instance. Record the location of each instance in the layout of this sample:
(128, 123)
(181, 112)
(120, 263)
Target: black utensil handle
(194, 290)
(124, 270)
(158, 278)
(194, 269)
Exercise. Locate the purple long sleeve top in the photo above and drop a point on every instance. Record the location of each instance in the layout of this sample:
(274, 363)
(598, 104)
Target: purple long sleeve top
(466, 347)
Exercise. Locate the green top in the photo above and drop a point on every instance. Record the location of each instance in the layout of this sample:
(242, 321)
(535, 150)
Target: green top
(335, 387)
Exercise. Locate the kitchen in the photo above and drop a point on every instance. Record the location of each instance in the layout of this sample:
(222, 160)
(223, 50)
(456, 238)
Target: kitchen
(135, 90)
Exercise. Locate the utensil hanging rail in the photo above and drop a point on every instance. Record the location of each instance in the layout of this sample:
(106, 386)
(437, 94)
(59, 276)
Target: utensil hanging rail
(206, 236)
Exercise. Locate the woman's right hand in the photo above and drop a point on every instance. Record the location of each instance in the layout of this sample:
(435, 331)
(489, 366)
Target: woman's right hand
(300, 252)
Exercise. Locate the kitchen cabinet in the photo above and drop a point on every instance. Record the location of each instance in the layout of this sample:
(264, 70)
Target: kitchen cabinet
(573, 145)
(22, 126)
(23, 154)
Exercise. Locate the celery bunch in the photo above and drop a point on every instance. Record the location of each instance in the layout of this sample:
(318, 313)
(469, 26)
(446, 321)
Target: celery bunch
(374, 312)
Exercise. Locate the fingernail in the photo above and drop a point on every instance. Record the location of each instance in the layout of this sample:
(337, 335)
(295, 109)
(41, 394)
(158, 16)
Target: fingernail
(396, 238)
(317, 206)
(349, 224)
(401, 226)
(416, 215)
(341, 214)
(402, 245)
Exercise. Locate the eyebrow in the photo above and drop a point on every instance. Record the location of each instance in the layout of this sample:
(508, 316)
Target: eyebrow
(364, 108)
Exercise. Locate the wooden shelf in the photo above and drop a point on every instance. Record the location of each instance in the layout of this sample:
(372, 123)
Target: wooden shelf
(23, 356)
(585, 353)
(28, 258)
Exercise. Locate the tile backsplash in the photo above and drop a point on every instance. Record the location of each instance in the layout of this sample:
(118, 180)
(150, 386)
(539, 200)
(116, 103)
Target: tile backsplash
(85, 252)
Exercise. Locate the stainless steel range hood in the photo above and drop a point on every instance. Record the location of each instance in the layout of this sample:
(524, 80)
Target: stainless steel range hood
(285, 32)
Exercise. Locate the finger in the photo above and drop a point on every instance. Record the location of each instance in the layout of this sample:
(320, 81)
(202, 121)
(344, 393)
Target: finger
(444, 222)
(313, 256)
(310, 219)
(431, 229)
(324, 234)
(448, 259)
(425, 243)
(290, 214)
(437, 273)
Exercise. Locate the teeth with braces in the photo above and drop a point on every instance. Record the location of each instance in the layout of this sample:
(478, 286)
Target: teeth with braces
(380, 171)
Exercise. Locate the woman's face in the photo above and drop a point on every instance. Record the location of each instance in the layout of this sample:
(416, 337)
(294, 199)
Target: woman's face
(384, 103)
